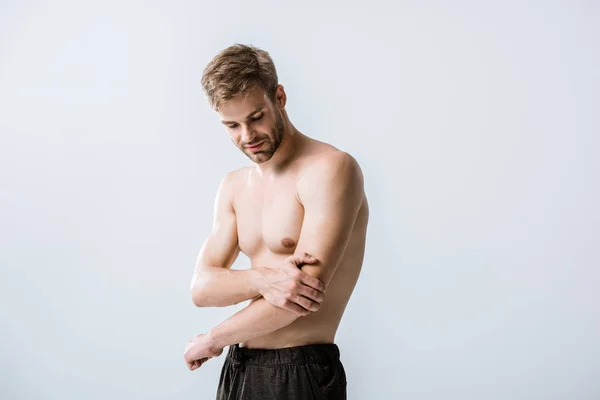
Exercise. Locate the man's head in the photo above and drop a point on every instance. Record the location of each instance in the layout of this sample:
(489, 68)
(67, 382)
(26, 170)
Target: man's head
(241, 85)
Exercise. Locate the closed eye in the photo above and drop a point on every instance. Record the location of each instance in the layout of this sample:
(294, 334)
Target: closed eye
(232, 126)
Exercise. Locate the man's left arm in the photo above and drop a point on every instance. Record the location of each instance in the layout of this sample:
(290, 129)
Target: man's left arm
(331, 192)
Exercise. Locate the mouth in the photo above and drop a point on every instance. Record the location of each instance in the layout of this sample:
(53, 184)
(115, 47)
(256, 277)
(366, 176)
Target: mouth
(255, 147)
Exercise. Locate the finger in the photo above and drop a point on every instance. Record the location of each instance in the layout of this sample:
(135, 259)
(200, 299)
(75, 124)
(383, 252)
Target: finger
(302, 258)
(296, 259)
(308, 259)
(307, 304)
(311, 293)
(296, 308)
(196, 364)
(313, 282)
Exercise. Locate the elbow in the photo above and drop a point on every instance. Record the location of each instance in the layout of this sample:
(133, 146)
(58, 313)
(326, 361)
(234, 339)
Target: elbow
(197, 300)
(200, 289)
(203, 297)
(199, 297)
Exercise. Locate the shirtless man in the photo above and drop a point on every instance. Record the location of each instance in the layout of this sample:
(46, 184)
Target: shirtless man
(300, 214)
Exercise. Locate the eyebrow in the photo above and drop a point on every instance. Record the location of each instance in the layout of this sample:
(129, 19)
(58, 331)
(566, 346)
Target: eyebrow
(257, 109)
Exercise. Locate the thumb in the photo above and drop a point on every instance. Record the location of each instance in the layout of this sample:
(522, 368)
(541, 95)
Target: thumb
(309, 258)
(297, 259)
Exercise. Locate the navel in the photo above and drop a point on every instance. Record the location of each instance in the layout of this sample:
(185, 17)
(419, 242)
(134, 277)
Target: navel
(287, 242)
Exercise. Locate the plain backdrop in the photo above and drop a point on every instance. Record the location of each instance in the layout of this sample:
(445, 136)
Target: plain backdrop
(476, 125)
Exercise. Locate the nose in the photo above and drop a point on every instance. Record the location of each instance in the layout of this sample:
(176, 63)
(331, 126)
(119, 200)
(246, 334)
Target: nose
(248, 134)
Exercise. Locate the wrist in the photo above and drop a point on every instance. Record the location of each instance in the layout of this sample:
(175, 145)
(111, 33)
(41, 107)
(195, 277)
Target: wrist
(257, 280)
(214, 343)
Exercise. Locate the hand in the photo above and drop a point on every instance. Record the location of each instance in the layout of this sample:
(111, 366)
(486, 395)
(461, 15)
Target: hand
(199, 350)
(288, 287)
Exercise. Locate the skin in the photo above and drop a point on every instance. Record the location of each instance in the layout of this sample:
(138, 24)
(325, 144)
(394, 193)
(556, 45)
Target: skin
(300, 198)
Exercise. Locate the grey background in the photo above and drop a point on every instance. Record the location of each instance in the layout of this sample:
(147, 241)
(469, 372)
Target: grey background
(476, 125)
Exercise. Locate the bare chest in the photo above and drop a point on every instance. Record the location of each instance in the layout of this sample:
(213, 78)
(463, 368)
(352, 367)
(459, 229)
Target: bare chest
(269, 217)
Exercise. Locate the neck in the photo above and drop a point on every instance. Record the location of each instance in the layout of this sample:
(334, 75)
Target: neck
(286, 152)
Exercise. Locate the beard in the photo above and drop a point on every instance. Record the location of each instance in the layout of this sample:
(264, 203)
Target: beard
(270, 142)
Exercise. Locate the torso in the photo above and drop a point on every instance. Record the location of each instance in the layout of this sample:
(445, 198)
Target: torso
(269, 221)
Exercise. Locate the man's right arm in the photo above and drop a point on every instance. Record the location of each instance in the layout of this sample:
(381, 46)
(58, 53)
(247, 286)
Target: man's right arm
(214, 283)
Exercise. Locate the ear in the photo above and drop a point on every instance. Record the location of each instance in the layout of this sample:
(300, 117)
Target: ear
(280, 97)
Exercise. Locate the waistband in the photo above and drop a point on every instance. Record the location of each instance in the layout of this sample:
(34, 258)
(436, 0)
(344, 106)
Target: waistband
(317, 352)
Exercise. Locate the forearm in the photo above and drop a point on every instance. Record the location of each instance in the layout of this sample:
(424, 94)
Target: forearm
(219, 287)
(258, 319)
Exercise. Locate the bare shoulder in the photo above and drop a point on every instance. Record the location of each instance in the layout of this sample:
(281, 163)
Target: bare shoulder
(238, 175)
(330, 169)
(230, 183)
(334, 163)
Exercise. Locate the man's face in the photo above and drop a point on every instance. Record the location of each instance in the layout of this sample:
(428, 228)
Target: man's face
(252, 119)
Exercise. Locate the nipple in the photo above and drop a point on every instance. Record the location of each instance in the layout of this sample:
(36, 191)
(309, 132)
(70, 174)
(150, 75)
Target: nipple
(287, 242)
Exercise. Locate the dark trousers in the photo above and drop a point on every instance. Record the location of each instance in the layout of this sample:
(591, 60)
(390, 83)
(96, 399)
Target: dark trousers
(312, 371)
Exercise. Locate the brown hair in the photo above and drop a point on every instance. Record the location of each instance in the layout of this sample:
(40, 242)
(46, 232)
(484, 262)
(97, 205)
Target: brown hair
(236, 70)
